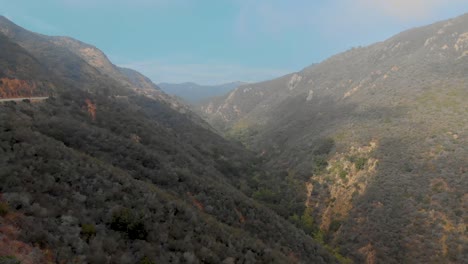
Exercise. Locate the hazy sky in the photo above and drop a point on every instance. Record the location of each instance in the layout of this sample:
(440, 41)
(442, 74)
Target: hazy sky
(215, 41)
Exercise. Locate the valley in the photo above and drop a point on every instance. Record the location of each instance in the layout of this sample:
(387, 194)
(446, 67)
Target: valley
(109, 168)
(362, 158)
(194, 93)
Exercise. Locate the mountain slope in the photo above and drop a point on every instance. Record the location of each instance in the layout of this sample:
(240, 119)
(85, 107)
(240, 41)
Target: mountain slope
(15, 72)
(379, 136)
(138, 80)
(195, 93)
(72, 70)
(82, 65)
(102, 173)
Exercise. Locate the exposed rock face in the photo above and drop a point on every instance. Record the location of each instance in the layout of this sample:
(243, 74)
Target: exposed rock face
(295, 80)
(347, 175)
(11, 88)
(92, 55)
(91, 108)
(408, 95)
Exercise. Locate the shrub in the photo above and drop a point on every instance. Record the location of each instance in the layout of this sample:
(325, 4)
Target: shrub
(88, 231)
(307, 221)
(126, 222)
(359, 162)
(145, 260)
(9, 260)
(318, 236)
(3, 209)
(335, 225)
(265, 195)
(343, 174)
(320, 164)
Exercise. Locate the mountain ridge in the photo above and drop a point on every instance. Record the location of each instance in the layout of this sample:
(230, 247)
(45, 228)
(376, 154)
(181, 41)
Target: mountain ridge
(372, 132)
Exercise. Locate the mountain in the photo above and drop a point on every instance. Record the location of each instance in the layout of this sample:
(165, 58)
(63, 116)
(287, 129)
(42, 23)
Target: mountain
(378, 136)
(16, 68)
(109, 169)
(195, 93)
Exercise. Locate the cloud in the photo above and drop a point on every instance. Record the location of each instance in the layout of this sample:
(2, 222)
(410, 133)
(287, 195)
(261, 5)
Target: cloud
(273, 17)
(113, 3)
(405, 9)
(208, 74)
(277, 17)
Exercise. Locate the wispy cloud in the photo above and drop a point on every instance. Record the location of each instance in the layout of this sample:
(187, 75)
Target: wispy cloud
(127, 3)
(275, 17)
(405, 9)
(208, 74)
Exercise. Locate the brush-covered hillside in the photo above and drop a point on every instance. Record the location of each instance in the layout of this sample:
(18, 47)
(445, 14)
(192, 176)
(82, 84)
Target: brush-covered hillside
(109, 169)
(378, 136)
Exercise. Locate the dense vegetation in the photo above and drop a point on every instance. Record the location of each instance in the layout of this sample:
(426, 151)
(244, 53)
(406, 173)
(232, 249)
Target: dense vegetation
(117, 186)
(106, 171)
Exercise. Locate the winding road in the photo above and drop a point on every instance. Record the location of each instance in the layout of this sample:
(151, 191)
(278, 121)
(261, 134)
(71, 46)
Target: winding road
(2, 100)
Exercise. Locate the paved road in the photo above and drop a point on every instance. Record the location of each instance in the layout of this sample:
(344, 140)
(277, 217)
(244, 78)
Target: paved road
(23, 98)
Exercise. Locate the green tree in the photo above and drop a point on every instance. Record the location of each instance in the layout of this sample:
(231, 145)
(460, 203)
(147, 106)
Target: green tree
(307, 221)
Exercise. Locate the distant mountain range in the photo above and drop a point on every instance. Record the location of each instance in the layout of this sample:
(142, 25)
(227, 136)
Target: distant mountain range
(196, 93)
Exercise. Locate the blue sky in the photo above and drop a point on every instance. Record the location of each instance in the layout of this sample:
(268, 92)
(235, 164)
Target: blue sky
(216, 41)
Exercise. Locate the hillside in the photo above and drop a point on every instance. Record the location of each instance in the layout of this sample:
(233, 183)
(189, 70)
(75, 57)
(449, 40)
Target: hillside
(105, 171)
(196, 93)
(377, 135)
(16, 67)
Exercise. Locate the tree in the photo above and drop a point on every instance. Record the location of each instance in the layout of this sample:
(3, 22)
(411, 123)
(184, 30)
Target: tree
(126, 222)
